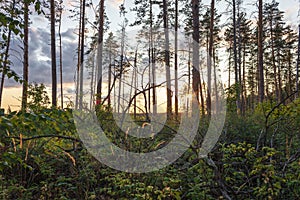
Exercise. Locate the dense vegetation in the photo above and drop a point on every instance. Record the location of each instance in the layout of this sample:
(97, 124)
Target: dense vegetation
(257, 156)
(41, 157)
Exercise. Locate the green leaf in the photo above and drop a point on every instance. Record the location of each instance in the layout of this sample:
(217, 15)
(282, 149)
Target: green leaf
(16, 31)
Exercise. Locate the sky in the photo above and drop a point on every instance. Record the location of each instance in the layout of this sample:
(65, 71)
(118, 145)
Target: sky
(39, 44)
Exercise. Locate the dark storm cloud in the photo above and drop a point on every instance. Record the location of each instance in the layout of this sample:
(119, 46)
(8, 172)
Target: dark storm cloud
(40, 57)
(69, 60)
(39, 71)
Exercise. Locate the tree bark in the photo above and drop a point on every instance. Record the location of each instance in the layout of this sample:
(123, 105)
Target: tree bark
(244, 87)
(215, 81)
(100, 50)
(273, 59)
(121, 67)
(92, 79)
(25, 57)
(195, 62)
(78, 59)
(81, 56)
(229, 66)
(53, 53)
(60, 60)
(6, 55)
(109, 75)
(279, 77)
(4, 69)
(167, 59)
(239, 46)
(210, 55)
(154, 101)
(135, 84)
(176, 59)
(298, 60)
(237, 85)
(260, 53)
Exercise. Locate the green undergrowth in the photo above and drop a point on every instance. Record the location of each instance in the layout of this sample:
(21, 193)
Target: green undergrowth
(42, 157)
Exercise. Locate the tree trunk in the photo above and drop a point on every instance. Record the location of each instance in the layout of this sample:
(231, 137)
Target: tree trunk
(53, 53)
(279, 78)
(121, 67)
(240, 83)
(78, 59)
(4, 69)
(210, 55)
(100, 51)
(189, 76)
(81, 56)
(60, 60)
(109, 76)
(6, 55)
(298, 60)
(237, 85)
(25, 61)
(215, 81)
(229, 66)
(273, 60)
(195, 63)
(167, 59)
(260, 53)
(92, 80)
(149, 74)
(290, 73)
(176, 59)
(154, 101)
(135, 84)
(244, 88)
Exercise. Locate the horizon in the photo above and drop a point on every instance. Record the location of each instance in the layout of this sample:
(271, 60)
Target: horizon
(12, 91)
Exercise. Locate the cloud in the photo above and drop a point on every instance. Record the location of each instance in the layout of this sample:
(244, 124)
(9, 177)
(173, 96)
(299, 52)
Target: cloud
(291, 16)
(40, 57)
(69, 34)
(115, 3)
